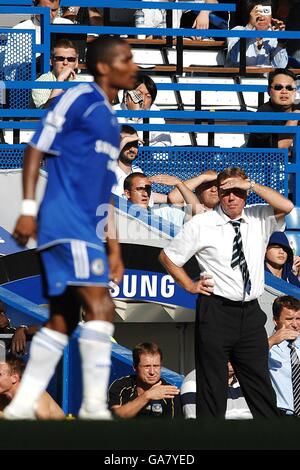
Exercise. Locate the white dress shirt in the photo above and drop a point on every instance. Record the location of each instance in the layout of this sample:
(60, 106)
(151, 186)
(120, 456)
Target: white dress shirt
(210, 236)
(281, 373)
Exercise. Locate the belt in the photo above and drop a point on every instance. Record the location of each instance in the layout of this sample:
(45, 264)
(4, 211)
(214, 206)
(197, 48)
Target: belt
(234, 303)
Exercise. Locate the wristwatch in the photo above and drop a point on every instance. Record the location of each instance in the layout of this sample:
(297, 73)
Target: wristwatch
(251, 185)
(73, 10)
(25, 328)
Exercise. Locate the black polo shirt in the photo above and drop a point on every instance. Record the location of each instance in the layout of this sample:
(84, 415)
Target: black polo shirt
(124, 390)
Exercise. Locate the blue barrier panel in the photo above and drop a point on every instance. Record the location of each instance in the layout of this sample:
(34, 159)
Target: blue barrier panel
(282, 286)
(11, 156)
(16, 2)
(266, 166)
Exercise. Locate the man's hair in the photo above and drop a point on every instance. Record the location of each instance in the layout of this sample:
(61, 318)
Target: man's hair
(149, 84)
(234, 172)
(37, 2)
(103, 49)
(144, 348)
(15, 365)
(284, 301)
(129, 179)
(64, 43)
(278, 71)
(126, 129)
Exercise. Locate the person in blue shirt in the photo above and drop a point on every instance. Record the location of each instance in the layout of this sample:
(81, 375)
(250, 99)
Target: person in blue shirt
(286, 316)
(279, 258)
(80, 135)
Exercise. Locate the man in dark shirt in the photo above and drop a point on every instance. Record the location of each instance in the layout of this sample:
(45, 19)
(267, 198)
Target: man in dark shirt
(145, 394)
(282, 90)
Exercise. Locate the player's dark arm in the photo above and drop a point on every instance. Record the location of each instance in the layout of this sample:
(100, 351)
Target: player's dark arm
(32, 162)
(116, 267)
(26, 224)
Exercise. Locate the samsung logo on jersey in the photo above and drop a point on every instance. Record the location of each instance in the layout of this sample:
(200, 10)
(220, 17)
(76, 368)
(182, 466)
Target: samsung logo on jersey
(107, 148)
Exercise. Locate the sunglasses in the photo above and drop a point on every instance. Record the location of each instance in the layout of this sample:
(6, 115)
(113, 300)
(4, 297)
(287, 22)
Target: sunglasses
(60, 58)
(286, 87)
(141, 189)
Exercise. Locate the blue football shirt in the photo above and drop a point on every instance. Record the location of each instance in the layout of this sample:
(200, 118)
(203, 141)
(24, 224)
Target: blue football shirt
(80, 134)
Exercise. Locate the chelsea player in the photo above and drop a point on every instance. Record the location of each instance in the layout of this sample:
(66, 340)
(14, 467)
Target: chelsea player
(79, 135)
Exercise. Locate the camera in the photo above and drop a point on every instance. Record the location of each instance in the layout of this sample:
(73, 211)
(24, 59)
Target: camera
(265, 10)
(135, 96)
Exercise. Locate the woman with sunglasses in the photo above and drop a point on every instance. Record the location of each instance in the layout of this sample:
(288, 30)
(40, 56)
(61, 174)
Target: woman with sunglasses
(64, 62)
(282, 89)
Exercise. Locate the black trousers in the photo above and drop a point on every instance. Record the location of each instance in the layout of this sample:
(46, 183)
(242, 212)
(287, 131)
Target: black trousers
(227, 330)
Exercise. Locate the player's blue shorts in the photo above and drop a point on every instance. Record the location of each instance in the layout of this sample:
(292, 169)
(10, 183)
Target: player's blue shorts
(73, 264)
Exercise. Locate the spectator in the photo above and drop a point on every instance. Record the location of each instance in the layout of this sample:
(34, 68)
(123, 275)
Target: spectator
(279, 258)
(154, 19)
(146, 393)
(84, 16)
(229, 244)
(34, 23)
(4, 320)
(205, 187)
(183, 193)
(21, 335)
(288, 10)
(284, 343)
(282, 90)
(137, 189)
(17, 58)
(64, 62)
(203, 19)
(237, 407)
(142, 98)
(11, 373)
(128, 153)
(260, 51)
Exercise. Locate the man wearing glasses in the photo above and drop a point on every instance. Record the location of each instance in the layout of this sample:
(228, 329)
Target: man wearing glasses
(64, 62)
(282, 89)
(137, 190)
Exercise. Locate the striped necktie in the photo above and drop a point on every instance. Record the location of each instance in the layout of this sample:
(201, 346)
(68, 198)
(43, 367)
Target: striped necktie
(295, 364)
(238, 257)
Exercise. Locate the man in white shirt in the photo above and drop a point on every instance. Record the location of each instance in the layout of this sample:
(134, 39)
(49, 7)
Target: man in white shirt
(129, 145)
(128, 153)
(229, 243)
(34, 22)
(137, 190)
